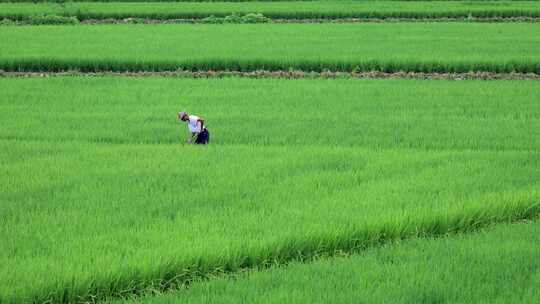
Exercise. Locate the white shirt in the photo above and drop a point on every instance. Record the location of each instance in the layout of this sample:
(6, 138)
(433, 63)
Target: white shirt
(193, 124)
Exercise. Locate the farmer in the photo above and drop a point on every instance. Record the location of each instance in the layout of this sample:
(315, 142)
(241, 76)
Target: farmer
(199, 133)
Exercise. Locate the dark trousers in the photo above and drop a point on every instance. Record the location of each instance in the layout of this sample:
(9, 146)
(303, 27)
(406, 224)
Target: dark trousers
(203, 138)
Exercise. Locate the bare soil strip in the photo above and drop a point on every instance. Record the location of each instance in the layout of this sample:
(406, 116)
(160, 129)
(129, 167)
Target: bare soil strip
(287, 74)
(322, 20)
(316, 20)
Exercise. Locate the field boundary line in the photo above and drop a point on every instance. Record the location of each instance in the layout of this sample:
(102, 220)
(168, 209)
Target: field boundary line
(283, 74)
(92, 142)
(73, 20)
(210, 1)
(279, 66)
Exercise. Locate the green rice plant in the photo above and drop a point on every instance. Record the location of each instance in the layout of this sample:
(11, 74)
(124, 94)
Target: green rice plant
(212, 19)
(497, 265)
(418, 47)
(7, 22)
(280, 10)
(255, 18)
(411, 114)
(51, 19)
(100, 199)
(235, 18)
(94, 220)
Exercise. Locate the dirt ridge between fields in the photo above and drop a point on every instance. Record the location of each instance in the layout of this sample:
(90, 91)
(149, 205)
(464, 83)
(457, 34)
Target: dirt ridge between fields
(144, 20)
(285, 74)
(325, 20)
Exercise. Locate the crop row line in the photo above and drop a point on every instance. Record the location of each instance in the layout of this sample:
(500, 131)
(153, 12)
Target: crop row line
(96, 66)
(286, 75)
(230, 1)
(127, 143)
(61, 20)
(490, 15)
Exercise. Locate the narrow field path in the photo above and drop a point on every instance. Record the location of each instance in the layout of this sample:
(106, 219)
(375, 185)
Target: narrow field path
(285, 75)
(54, 20)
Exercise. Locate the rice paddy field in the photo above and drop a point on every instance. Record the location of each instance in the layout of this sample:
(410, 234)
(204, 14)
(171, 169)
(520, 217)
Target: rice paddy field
(421, 268)
(419, 47)
(312, 190)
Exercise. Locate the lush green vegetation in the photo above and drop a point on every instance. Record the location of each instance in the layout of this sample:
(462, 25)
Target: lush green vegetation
(345, 47)
(286, 10)
(436, 115)
(100, 197)
(500, 265)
